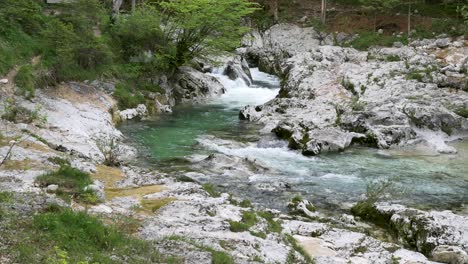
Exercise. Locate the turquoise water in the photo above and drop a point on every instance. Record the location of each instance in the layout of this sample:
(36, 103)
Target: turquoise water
(192, 132)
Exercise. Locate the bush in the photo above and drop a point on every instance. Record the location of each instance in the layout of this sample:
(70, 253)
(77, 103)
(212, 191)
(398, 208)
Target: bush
(139, 32)
(126, 98)
(26, 81)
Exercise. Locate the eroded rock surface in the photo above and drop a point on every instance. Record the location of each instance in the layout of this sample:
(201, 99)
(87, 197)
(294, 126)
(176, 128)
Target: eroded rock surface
(332, 97)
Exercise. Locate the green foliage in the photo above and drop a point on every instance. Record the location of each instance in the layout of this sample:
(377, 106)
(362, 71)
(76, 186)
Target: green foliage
(211, 190)
(357, 105)
(368, 39)
(63, 236)
(5, 197)
(139, 32)
(71, 182)
(249, 219)
(198, 27)
(26, 81)
(19, 114)
(245, 203)
(273, 226)
(393, 58)
(126, 98)
(462, 111)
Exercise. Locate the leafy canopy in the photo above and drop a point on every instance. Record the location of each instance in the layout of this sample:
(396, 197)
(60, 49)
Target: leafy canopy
(199, 27)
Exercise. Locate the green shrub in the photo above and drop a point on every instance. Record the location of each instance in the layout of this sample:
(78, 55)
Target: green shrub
(126, 98)
(249, 219)
(26, 81)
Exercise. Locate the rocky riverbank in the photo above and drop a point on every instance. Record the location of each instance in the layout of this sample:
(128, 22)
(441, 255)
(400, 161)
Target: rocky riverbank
(194, 222)
(332, 97)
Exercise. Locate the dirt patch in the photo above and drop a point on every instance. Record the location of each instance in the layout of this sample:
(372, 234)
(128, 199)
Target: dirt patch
(138, 192)
(149, 206)
(82, 94)
(108, 175)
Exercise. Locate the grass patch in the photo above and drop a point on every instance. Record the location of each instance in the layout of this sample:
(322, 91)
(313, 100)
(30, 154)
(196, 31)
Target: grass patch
(71, 182)
(368, 39)
(298, 248)
(461, 111)
(262, 235)
(217, 257)
(63, 236)
(59, 161)
(39, 138)
(211, 190)
(6, 197)
(249, 219)
(273, 226)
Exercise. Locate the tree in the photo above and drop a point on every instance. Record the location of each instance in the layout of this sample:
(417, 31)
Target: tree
(378, 6)
(323, 13)
(198, 27)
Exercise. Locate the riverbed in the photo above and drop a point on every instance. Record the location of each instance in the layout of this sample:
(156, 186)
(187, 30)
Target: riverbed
(176, 143)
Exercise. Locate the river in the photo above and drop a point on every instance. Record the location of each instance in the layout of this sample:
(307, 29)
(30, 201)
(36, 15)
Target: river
(178, 143)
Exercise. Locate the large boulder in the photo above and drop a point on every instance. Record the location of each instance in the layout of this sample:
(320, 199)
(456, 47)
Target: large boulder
(192, 85)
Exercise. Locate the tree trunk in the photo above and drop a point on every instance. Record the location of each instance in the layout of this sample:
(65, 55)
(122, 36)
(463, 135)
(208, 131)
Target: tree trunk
(275, 11)
(409, 19)
(116, 7)
(324, 11)
(133, 5)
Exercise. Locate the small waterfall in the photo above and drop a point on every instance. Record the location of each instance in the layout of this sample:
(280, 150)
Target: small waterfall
(239, 94)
